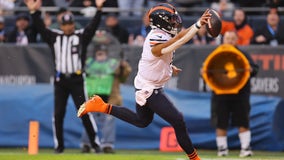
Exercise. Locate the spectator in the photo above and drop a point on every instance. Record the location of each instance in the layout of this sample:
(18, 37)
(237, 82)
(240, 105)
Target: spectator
(6, 6)
(60, 12)
(234, 108)
(78, 3)
(270, 33)
(240, 25)
(202, 37)
(274, 5)
(88, 4)
(88, 8)
(68, 48)
(131, 7)
(45, 3)
(139, 34)
(104, 76)
(2, 29)
(224, 7)
(23, 33)
(113, 27)
(108, 3)
(49, 3)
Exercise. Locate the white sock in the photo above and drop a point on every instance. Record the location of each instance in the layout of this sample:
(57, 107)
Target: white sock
(222, 142)
(245, 138)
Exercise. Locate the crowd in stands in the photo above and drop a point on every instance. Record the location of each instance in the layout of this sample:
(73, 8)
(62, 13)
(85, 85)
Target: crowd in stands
(130, 7)
(232, 11)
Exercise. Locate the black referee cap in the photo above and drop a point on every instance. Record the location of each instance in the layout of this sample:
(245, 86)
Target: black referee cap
(67, 19)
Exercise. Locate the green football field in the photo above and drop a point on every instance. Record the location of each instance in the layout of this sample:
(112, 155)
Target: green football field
(74, 154)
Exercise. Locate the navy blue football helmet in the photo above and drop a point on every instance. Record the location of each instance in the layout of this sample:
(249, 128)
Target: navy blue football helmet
(165, 17)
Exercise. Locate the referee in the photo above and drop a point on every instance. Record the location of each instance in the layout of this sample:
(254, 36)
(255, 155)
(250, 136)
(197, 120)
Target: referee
(69, 52)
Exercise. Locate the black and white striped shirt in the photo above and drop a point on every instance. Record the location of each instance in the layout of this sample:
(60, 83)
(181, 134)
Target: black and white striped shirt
(69, 51)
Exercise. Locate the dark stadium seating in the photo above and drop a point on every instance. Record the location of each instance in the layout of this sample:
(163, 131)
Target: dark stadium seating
(132, 22)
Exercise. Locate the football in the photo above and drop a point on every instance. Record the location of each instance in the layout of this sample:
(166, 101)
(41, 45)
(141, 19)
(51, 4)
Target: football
(214, 25)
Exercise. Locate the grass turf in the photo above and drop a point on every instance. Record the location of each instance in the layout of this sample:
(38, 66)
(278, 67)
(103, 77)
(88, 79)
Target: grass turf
(74, 154)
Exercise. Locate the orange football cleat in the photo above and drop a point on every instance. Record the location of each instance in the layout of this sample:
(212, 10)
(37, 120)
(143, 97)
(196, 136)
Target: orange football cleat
(95, 104)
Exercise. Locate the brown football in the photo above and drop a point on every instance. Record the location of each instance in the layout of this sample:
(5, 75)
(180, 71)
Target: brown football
(215, 23)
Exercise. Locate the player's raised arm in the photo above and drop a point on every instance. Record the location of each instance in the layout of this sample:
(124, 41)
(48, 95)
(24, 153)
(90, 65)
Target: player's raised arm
(99, 4)
(181, 38)
(33, 5)
(92, 26)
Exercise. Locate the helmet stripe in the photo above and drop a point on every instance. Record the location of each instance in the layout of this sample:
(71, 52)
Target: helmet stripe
(162, 8)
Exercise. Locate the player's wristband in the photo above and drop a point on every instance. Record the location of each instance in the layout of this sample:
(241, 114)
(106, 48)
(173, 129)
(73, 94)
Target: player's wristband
(197, 25)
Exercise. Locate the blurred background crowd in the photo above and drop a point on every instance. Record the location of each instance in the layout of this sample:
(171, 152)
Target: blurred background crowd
(127, 21)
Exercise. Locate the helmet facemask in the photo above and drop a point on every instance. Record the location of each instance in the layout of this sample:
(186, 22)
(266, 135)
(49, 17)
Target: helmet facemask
(176, 24)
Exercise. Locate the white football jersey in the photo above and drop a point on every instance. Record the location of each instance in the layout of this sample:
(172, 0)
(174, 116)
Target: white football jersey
(153, 72)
